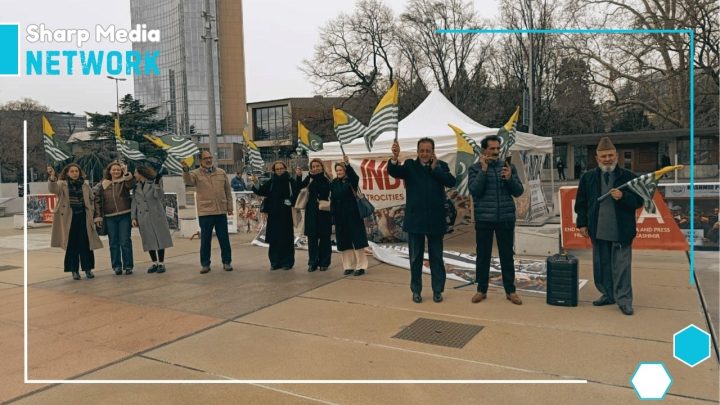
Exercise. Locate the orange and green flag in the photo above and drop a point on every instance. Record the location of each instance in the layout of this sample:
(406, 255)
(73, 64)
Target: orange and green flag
(308, 140)
(385, 116)
(466, 155)
(507, 133)
(55, 150)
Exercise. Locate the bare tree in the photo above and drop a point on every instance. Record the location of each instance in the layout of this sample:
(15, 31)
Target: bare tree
(448, 62)
(12, 115)
(654, 66)
(355, 51)
(514, 64)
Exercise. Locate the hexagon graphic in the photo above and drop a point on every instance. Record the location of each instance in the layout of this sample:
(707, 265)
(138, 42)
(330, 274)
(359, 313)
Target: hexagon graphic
(651, 380)
(691, 345)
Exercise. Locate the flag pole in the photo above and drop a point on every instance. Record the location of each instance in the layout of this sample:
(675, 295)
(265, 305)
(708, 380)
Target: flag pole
(606, 195)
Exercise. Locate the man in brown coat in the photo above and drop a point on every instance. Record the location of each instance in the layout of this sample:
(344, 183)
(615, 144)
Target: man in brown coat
(214, 203)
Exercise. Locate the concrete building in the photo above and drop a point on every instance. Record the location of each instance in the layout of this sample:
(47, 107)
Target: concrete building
(230, 152)
(65, 124)
(273, 123)
(181, 88)
(643, 151)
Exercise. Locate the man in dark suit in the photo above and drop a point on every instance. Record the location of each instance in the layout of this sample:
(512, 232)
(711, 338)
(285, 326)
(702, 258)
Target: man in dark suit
(425, 180)
(610, 224)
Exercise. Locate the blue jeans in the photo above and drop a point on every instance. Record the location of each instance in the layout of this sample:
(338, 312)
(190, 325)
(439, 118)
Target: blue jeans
(118, 229)
(207, 223)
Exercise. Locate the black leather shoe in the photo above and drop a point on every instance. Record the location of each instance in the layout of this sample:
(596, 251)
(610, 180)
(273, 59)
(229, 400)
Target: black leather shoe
(128, 272)
(359, 272)
(153, 269)
(627, 309)
(323, 268)
(348, 272)
(89, 274)
(417, 298)
(437, 297)
(311, 269)
(118, 272)
(287, 268)
(274, 268)
(161, 268)
(604, 300)
(76, 275)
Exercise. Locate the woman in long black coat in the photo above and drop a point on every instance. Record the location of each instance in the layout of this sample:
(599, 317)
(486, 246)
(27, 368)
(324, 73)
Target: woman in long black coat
(280, 193)
(318, 224)
(349, 226)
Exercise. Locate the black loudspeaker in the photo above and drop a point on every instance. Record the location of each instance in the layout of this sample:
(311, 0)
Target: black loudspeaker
(562, 280)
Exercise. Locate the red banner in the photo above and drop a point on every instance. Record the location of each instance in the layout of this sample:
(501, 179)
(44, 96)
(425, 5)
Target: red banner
(41, 207)
(654, 231)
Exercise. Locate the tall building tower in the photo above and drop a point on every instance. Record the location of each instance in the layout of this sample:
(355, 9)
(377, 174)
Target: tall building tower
(181, 88)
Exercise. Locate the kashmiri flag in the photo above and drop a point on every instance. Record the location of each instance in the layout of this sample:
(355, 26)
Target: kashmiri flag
(347, 127)
(384, 118)
(645, 186)
(54, 149)
(507, 133)
(178, 149)
(128, 149)
(255, 160)
(465, 158)
(308, 140)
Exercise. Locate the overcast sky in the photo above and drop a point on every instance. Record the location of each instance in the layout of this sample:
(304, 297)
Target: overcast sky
(279, 34)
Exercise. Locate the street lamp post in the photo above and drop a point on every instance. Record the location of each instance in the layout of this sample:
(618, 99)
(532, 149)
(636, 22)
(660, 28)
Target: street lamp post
(117, 94)
(168, 109)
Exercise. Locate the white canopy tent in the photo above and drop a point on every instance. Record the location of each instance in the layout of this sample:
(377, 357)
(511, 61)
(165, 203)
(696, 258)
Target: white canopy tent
(431, 119)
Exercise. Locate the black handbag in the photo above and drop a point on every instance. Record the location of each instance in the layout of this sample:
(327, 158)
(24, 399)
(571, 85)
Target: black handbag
(101, 230)
(364, 206)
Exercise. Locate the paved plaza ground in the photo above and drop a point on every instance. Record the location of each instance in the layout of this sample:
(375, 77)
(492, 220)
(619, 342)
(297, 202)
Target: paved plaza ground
(256, 324)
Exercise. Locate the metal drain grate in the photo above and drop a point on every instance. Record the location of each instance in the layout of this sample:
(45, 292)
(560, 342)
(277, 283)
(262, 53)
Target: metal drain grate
(8, 267)
(441, 333)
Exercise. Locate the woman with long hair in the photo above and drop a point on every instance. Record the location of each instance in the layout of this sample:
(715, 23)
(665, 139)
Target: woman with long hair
(112, 211)
(148, 214)
(72, 227)
(318, 223)
(349, 226)
(280, 193)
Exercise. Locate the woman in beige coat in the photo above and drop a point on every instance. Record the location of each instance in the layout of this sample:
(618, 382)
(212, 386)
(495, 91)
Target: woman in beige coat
(72, 227)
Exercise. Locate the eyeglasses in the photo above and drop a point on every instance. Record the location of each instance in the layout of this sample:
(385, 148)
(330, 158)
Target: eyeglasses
(207, 158)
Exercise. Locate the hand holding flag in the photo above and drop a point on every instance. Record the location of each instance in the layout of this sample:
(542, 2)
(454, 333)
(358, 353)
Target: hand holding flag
(644, 186)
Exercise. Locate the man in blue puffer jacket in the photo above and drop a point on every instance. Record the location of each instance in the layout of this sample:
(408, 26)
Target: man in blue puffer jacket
(493, 184)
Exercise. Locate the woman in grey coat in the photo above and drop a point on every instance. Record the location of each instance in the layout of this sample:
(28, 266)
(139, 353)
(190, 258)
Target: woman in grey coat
(148, 213)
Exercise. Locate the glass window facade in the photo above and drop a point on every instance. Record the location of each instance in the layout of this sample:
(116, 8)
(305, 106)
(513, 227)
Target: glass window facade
(180, 89)
(272, 123)
(705, 151)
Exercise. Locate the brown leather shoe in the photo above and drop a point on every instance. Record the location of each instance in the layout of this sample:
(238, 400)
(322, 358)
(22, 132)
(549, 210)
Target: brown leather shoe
(514, 298)
(205, 270)
(478, 297)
